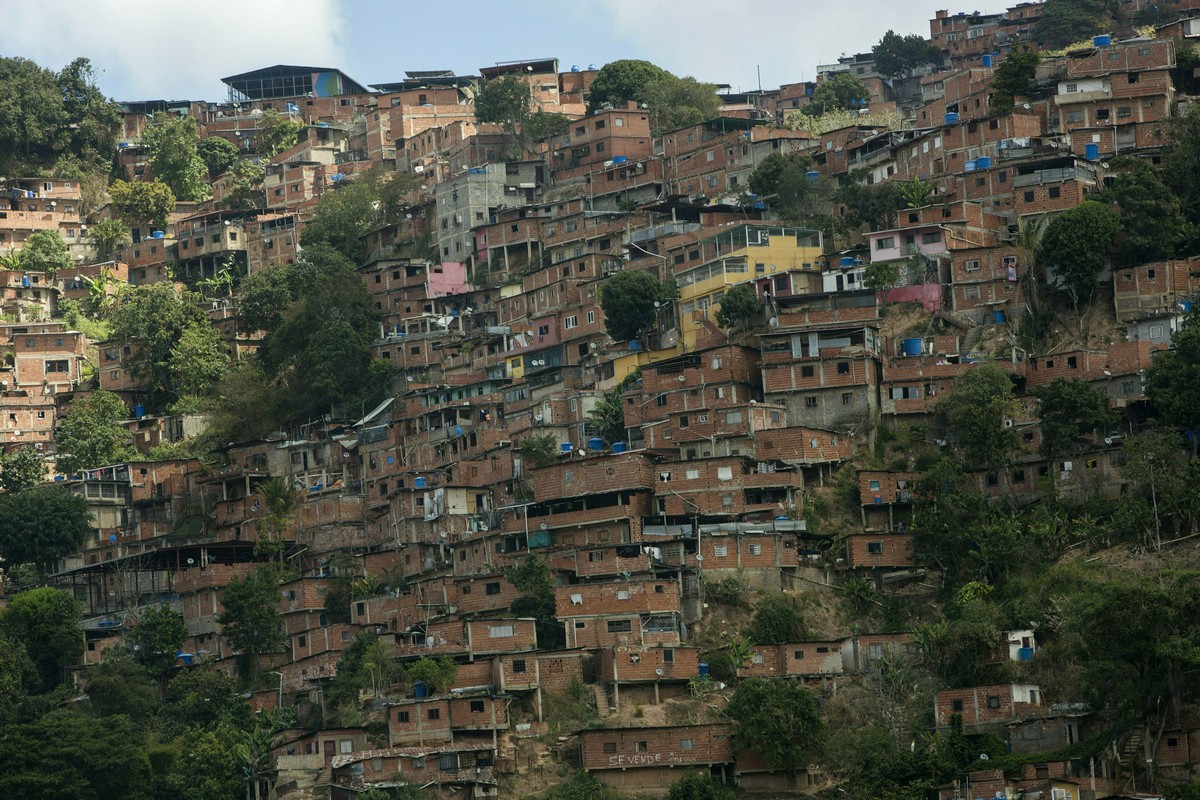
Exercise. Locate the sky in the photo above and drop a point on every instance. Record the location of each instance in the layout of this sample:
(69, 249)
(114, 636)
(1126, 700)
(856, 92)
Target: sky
(180, 49)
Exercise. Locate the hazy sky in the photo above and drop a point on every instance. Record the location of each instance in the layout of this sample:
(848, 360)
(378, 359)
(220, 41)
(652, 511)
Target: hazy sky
(180, 49)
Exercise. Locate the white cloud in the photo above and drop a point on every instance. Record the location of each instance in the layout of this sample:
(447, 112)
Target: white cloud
(727, 40)
(173, 49)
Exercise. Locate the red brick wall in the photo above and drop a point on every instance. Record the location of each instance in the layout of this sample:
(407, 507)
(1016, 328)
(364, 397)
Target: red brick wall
(654, 747)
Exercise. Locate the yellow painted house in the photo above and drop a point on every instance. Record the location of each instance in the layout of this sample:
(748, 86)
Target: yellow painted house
(742, 254)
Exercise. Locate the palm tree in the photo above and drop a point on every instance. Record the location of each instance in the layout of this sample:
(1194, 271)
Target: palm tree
(1026, 241)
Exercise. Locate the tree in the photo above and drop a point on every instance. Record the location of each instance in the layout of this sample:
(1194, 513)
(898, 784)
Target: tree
(436, 673)
(539, 449)
(1181, 157)
(979, 414)
(676, 103)
(153, 319)
(843, 92)
(321, 349)
(21, 468)
(120, 685)
(739, 305)
(40, 526)
(156, 636)
(48, 117)
(778, 719)
(534, 579)
(882, 275)
(343, 215)
(1013, 78)
(263, 297)
(109, 235)
(622, 81)
(246, 189)
(250, 622)
(607, 419)
(1069, 409)
(872, 204)
(174, 159)
(700, 786)
(45, 251)
(896, 56)
(89, 434)
(68, 754)
(218, 154)
(1064, 22)
(1076, 244)
(143, 202)
(198, 361)
(210, 766)
(1154, 465)
(773, 170)
(16, 674)
(505, 100)
(276, 134)
(1152, 225)
(1173, 380)
(779, 619)
(46, 622)
(546, 124)
(630, 300)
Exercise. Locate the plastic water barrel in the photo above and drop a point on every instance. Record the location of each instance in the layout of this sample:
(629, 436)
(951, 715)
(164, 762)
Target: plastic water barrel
(951, 117)
(618, 447)
(983, 162)
(157, 235)
(1103, 40)
(987, 59)
(970, 165)
(419, 483)
(847, 261)
(910, 347)
(1091, 151)
(703, 668)
(999, 317)
(634, 345)
(567, 447)
(595, 443)
(620, 159)
(420, 689)
(813, 176)
(139, 411)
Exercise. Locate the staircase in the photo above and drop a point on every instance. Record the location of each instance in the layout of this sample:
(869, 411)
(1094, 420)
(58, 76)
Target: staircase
(1131, 749)
(601, 694)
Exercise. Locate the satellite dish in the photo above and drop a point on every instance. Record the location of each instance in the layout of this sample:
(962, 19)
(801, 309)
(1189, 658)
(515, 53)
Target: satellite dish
(773, 322)
(582, 452)
(112, 537)
(658, 672)
(543, 526)
(191, 561)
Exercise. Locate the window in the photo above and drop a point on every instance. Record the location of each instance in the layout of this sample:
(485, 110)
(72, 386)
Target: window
(886, 243)
(810, 401)
(619, 626)
(843, 368)
(401, 716)
(931, 238)
(591, 317)
(875, 548)
(640, 747)
(971, 293)
(685, 744)
(956, 706)
(660, 401)
(973, 265)
(434, 713)
(1054, 192)
(806, 371)
(993, 701)
(721, 551)
(476, 706)
(500, 631)
(571, 322)
(724, 473)
(610, 747)
(491, 588)
(754, 549)
(346, 746)
(58, 365)
(518, 665)
(847, 398)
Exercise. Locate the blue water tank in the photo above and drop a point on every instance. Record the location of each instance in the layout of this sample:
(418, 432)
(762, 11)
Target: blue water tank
(618, 447)
(910, 347)
(847, 261)
(620, 159)
(419, 483)
(983, 162)
(574, 68)
(1025, 654)
(1103, 40)
(458, 430)
(157, 235)
(1091, 151)
(951, 117)
(999, 317)
(812, 175)
(987, 59)
(420, 690)
(595, 443)
(566, 447)
(25, 281)
(139, 411)
(970, 165)
(634, 345)
(703, 668)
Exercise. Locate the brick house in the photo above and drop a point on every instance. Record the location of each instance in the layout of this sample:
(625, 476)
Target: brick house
(630, 757)
(984, 705)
